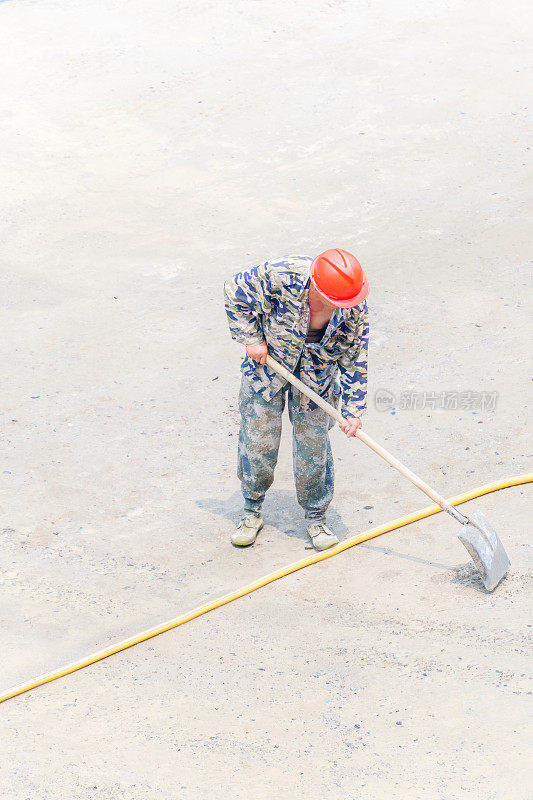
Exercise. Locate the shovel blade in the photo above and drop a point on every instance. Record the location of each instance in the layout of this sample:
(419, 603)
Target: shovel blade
(486, 550)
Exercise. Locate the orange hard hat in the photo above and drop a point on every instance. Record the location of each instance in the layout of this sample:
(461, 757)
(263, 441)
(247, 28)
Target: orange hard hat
(339, 278)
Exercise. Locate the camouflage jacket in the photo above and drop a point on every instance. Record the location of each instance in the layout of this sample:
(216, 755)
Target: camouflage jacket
(271, 302)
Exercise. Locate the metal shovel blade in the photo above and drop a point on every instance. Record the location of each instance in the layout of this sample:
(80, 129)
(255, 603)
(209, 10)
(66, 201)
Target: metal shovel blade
(486, 550)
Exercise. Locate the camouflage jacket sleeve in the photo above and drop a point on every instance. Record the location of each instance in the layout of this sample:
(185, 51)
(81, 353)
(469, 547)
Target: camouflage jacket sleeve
(247, 300)
(353, 369)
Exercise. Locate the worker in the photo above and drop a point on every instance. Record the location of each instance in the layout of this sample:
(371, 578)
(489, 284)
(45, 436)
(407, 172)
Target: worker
(310, 315)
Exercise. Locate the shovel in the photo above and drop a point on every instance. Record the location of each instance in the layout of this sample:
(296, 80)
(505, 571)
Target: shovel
(477, 534)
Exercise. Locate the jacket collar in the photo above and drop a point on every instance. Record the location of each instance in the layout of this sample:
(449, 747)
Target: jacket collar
(336, 318)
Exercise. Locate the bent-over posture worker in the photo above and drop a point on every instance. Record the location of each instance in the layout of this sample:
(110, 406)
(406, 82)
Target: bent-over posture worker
(310, 315)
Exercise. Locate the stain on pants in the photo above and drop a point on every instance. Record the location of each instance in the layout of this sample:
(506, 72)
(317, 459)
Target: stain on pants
(259, 439)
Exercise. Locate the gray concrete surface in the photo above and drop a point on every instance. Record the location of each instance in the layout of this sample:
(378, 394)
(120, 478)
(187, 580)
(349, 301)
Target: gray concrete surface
(148, 151)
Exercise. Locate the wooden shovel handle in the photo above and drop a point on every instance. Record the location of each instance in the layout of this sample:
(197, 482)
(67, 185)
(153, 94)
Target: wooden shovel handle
(377, 448)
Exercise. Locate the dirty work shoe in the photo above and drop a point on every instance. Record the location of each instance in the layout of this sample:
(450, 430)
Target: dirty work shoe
(321, 536)
(246, 531)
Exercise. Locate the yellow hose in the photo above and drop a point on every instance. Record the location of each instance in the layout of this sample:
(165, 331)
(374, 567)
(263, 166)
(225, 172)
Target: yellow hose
(273, 576)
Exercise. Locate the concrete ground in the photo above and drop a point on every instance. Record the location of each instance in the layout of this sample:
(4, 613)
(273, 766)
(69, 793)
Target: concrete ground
(149, 151)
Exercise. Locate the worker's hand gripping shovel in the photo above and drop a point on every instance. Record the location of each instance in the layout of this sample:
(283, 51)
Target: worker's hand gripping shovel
(477, 535)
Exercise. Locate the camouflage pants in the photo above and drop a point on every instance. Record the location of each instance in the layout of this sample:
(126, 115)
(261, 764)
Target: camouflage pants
(259, 439)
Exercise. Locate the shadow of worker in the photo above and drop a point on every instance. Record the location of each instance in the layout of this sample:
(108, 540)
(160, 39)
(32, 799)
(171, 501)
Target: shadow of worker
(280, 511)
